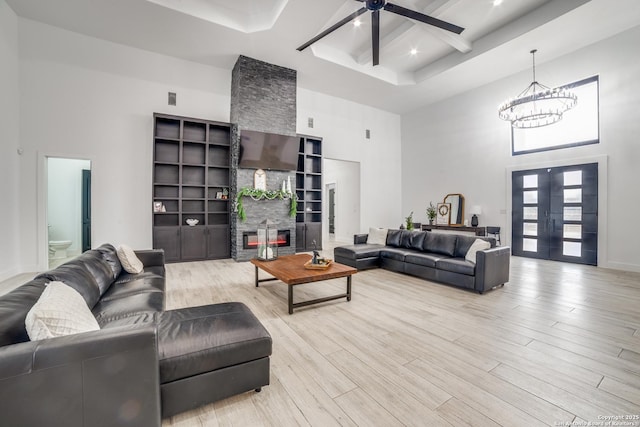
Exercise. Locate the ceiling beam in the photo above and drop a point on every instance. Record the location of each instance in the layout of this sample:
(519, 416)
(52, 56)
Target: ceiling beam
(362, 55)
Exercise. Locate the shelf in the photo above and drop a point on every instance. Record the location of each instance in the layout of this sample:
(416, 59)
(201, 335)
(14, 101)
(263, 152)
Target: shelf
(219, 135)
(193, 153)
(191, 165)
(193, 175)
(160, 191)
(167, 151)
(194, 131)
(167, 128)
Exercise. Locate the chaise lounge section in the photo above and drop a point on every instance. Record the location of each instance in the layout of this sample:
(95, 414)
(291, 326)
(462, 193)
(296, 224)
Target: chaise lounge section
(143, 364)
(432, 256)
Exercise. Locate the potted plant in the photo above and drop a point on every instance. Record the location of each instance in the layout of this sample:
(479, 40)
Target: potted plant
(409, 221)
(431, 213)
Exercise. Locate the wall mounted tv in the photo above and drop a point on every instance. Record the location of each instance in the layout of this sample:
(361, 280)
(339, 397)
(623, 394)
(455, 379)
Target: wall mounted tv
(261, 150)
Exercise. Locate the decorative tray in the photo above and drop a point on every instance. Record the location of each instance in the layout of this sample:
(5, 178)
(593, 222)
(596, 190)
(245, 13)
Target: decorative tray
(324, 264)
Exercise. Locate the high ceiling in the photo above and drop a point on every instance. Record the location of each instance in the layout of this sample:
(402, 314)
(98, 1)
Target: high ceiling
(496, 41)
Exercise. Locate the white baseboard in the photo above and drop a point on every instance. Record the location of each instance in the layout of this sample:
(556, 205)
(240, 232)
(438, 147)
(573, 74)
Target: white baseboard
(622, 266)
(9, 273)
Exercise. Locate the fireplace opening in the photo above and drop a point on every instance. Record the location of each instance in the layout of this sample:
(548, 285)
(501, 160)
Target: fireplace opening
(250, 239)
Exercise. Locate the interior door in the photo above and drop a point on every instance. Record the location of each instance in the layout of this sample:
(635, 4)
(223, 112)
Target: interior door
(332, 210)
(86, 210)
(555, 213)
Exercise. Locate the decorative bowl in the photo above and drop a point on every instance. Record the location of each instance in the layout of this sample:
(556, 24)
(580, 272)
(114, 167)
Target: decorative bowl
(192, 221)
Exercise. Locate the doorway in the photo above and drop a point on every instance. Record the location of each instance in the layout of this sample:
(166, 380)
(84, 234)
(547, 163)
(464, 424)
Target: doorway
(341, 205)
(555, 213)
(332, 209)
(68, 208)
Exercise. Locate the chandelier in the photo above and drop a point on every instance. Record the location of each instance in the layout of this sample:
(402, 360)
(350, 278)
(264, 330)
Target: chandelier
(538, 105)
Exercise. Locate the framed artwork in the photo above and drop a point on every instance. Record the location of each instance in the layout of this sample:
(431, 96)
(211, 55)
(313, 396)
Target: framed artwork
(219, 195)
(444, 213)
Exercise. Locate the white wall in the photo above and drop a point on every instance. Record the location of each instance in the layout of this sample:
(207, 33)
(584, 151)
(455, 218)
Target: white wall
(342, 126)
(86, 98)
(64, 201)
(9, 136)
(460, 145)
(82, 97)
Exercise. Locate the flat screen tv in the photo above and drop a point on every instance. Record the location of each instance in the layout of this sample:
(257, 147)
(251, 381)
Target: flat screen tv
(261, 150)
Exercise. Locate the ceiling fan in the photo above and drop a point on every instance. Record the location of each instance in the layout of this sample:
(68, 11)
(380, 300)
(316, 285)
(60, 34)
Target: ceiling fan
(374, 6)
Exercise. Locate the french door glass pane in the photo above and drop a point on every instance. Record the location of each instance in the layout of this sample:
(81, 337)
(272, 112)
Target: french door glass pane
(572, 231)
(572, 213)
(530, 229)
(572, 249)
(530, 212)
(530, 196)
(530, 245)
(573, 195)
(573, 178)
(530, 181)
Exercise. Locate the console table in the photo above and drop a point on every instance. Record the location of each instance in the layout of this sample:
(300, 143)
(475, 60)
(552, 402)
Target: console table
(478, 231)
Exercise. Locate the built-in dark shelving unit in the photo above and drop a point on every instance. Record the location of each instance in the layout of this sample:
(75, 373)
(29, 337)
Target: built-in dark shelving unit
(309, 192)
(191, 169)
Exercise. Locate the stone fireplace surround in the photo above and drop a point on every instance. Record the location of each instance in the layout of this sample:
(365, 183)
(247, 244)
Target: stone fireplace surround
(263, 98)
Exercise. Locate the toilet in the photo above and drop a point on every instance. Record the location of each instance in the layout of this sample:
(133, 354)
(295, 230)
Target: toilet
(58, 248)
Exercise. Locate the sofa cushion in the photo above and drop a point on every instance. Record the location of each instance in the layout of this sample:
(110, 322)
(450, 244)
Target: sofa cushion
(398, 254)
(99, 269)
(129, 260)
(150, 283)
(440, 243)
(463, 243)
(59, 311)
(108, 310)
(202, 339)
(405, 238)
(456, 265)
(417, 240)
(377, 236)
(426, 259)
(75, 274)
(358, 251)
(394, 238)
(478, 245)
(14, 307)
(110, 256)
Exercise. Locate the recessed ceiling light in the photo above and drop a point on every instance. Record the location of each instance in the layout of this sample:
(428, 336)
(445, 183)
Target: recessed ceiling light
(413, 51)
(497, 2)
(357, 23)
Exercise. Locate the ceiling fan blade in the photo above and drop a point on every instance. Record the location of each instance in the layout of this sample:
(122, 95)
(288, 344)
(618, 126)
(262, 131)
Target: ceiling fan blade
(375, 36)
(412, 14)
(334, 27)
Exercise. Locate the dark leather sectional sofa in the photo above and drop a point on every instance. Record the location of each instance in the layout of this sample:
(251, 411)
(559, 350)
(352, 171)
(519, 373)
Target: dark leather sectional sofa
(433, 256)
(144, 363)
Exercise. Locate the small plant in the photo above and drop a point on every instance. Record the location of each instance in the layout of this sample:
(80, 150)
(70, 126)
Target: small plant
(431, 212)
(409, 221)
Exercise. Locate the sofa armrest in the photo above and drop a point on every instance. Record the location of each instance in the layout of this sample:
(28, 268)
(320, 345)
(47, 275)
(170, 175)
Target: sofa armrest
(105, 377)
(492, 267)
(151, 257)
(360, 238)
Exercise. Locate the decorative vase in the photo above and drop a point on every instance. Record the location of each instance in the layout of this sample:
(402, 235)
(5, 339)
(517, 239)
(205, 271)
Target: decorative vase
(430, 222)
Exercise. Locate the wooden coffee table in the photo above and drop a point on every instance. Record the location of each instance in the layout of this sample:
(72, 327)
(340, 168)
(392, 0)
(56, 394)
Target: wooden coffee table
(290, 270)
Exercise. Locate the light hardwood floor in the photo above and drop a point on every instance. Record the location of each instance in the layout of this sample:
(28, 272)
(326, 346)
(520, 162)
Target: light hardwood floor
(558, 345)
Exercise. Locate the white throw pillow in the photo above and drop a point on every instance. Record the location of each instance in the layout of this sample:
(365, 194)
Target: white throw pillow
(59, 311)
(130, 262)
(478, 245)
(377, 236)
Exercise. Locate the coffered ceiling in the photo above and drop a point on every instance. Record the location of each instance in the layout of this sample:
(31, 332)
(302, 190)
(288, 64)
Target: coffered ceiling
(495, 43)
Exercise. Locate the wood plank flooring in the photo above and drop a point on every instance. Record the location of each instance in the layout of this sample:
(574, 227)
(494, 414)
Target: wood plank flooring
(558, 345)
